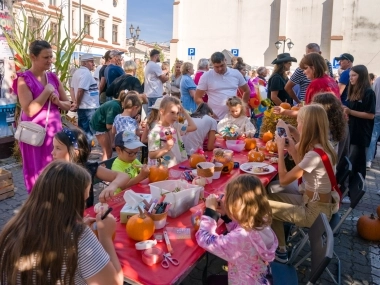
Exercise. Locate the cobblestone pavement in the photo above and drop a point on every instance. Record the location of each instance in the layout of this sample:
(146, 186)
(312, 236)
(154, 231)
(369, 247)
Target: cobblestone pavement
(360, 259)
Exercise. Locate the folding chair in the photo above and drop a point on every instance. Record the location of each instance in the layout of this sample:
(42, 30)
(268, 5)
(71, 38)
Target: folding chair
(322, 246)
(108, 164)
(357, 191)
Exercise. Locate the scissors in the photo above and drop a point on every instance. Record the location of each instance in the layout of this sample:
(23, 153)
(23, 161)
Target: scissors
(167, 258)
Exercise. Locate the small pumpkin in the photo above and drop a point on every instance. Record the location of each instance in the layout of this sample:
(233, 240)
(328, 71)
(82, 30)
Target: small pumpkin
(197, 157)
(250, 143)
(267, 136)
(94, 229)
(295, 108)
(368, 227)
(158, 173)
(227, 167)
(271, 146)
(285, 105)
(256, 156)
(140, 226)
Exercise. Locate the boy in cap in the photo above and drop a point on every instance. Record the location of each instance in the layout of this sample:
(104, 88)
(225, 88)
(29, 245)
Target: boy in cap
(127, 146)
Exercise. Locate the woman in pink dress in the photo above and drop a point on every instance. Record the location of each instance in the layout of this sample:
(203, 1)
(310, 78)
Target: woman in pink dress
(35, 88)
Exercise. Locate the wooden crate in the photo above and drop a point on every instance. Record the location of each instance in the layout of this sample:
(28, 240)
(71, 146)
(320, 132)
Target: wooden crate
(6, 184)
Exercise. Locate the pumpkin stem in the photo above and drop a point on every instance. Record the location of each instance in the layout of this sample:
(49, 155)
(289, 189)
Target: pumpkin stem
(142, 214)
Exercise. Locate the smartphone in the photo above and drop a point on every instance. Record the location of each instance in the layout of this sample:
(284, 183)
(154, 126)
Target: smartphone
(281, 132)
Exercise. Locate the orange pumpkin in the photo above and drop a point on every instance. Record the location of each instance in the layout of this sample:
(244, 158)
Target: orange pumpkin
(94, 229)
(195, 158)
(285, 105)
(250, 143)
(227, 167)
(271, 146)
(369, 227)
(256, 156)
(267, 136)
(295, 108)
(140, 227)
(158, 173)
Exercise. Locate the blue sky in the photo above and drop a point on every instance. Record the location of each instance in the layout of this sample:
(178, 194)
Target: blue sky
(154, 17)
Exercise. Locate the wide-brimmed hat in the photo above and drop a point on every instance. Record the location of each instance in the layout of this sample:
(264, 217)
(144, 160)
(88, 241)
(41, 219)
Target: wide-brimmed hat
(284, 57)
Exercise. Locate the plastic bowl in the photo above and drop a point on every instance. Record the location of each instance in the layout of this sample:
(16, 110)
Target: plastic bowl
(235, 145)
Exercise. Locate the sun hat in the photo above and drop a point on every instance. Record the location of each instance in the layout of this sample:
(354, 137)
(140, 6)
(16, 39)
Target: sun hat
(128, 140)
(157, 104)
(346, 56)
(284, 57)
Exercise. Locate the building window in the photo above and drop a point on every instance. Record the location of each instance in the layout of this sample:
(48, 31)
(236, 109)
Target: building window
(53, 2)
(114, 33)
(54, 31)
(101, 28)
(87, 23)
(34, 24)
(114, 3)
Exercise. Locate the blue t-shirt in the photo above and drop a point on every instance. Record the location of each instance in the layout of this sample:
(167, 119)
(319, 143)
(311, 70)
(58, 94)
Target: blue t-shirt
(345, 79)
(112, 72)
(187, 84)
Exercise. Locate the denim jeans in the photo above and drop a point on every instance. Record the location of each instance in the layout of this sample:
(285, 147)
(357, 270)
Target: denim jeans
(374, 138)
(84, 118)
(151, 102)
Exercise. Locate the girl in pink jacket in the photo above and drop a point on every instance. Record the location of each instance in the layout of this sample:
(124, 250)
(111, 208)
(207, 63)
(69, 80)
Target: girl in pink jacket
(250, 244)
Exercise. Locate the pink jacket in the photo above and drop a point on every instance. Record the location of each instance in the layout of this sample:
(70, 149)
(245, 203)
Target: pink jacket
(247, 252)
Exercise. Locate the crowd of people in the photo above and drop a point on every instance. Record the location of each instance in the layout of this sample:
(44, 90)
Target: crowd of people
(171, 115)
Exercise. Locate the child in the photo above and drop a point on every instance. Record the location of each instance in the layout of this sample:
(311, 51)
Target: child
(72, 145)
(126, 120)
(48, 242)
(250, 243)
(204, 136)
(151, 120)
(236, 116)
(165, 139)
(127, 146)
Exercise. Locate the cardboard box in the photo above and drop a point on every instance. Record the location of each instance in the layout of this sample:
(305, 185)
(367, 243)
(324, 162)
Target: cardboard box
(126, 212)
(6, 184)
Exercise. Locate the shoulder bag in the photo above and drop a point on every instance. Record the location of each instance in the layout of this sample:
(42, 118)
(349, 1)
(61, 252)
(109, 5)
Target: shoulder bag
(32, 133)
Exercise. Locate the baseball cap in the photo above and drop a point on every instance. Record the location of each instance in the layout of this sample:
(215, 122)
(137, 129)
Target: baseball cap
(86, 56)
(115, 52)
(157, 104)
(346, 56)
(128, 140)
(107, 55)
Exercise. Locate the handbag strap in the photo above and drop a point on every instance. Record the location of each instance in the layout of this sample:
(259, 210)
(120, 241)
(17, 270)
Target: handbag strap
(48, 112)
(330, 172)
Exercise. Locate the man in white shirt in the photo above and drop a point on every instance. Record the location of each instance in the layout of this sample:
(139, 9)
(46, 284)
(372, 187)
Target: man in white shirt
(220, 84)
(154, 79)
(85, 94)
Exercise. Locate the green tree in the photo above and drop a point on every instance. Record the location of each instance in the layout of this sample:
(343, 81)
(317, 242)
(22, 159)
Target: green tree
(162, 56)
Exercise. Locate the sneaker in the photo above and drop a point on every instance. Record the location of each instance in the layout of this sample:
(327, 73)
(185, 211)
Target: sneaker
(346, 200)
(368, 164)
(281, 257)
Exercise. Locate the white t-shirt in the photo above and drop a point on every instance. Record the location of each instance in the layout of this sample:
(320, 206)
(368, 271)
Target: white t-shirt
(243, 122)
(82, 78)
(153, 87)
(194, 140)
(220, 87)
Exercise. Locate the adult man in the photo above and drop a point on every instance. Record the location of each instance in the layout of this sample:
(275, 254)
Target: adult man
(346, 61)
(154, 79)
(102, 80)
(220, 83)
(376, 126)
(299, 78)
(85, 93)
(113, 70)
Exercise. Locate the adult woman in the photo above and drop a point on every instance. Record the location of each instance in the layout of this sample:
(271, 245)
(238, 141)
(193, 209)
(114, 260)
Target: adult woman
(277, 82)
(361, 113)
(47, 242)
(188, 87)
(286, 200)
(203, 66)
(35, 89)
(315, 68)
(176, 79)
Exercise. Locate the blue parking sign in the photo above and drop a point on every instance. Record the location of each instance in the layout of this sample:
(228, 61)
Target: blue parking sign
(191, 52)
(235, 52)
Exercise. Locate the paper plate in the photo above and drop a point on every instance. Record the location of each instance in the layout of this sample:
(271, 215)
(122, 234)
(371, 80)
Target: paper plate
(249, 166)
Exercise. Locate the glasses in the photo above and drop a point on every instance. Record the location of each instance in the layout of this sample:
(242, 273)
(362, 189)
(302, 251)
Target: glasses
(130, 153)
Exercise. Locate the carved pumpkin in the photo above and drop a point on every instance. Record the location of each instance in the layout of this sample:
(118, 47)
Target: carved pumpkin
(250, 143)
(94, 229)
(197, 157)
(267, 136)
(369, 227)
(140, 227)
(271, 146)
(285, 105)
(256, 156)
(158, 173)
(227, 167)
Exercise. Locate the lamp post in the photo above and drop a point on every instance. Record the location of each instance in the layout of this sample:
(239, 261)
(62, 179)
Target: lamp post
(135, 37)
(290, 44)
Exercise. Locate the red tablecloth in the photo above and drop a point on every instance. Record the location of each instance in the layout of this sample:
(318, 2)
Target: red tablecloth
(186, 251)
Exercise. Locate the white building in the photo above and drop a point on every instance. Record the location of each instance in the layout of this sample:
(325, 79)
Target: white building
(106, 22)
(253, 26)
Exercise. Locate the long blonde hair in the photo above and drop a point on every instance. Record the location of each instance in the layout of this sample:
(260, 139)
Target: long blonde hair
(315, 129)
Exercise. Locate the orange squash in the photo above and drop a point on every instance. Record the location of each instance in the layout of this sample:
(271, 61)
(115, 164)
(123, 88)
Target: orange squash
(140, 227)
(285, 105)
(271, 146)
(197, 157)
(369, 227)
(250, 143)
(256, 156)
(267, 136)
(158, 173)
(94, 229)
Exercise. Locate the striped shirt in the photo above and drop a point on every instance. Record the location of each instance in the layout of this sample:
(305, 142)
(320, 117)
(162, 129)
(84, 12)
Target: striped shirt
(300, 78)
